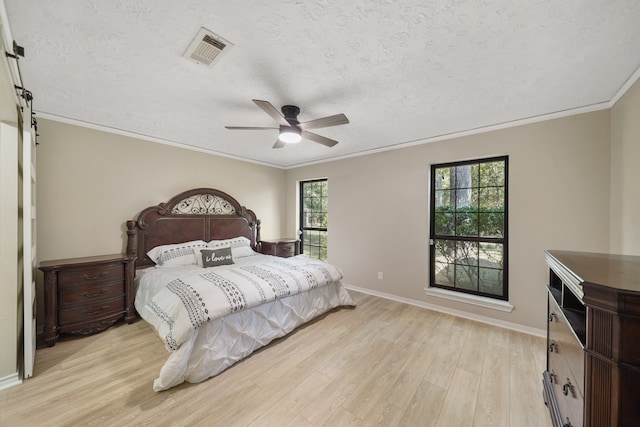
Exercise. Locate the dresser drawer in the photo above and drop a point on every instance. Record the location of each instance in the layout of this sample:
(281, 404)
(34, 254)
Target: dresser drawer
(565, 344)
(89, 312)
(94, 293)
(90, 275)
(570, 397)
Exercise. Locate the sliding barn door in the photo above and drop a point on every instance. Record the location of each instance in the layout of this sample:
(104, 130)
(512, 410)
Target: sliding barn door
(28, 166)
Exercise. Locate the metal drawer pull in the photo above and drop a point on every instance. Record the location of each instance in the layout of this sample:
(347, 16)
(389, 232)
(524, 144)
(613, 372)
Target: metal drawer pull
(568, 423)
(568, 387)
(86, 277)
(552, 316)
(88, 295)
(553, 347)
(95, 311)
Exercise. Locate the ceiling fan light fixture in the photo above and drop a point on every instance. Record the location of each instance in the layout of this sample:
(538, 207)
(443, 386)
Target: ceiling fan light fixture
(290, 134)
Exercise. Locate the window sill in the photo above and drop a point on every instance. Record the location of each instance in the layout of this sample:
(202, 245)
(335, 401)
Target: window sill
(470, 299)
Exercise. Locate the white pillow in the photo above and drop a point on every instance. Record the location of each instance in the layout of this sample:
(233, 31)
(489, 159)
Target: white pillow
(240, 247)
(236, 242)
(178, 254)
(198, 255)
(242, 252)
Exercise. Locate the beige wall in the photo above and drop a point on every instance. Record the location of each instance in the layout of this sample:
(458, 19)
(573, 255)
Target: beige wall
(558, 198)
(91, 182)
(625, 174)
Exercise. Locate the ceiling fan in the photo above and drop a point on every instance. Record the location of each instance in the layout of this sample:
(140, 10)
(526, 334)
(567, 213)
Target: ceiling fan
(290, 129)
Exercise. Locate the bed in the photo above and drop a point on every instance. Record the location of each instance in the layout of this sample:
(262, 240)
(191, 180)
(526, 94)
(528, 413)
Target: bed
(212, 298)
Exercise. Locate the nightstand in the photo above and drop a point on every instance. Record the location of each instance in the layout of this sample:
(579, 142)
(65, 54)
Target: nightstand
(284, 248)
(87, 295)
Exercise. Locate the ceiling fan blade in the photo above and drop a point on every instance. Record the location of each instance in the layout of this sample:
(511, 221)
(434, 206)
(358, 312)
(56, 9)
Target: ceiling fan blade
(338, 119)
(271, 110)
(249, 128)
(278, 144)
(319, 139)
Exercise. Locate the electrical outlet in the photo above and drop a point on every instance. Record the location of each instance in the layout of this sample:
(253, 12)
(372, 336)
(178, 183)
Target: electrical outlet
(380, 275)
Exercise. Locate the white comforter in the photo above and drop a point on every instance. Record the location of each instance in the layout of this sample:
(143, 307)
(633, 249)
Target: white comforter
(178, 300)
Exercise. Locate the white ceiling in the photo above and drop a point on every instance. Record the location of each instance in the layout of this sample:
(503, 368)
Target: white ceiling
(403, 71)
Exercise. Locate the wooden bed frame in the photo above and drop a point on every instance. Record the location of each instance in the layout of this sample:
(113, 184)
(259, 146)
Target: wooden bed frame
(199, 214)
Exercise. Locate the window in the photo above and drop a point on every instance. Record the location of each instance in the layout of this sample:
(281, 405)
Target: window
(313, 218)
(468, 237)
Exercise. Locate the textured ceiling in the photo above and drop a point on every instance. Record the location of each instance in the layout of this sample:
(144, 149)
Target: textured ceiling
(402, 71)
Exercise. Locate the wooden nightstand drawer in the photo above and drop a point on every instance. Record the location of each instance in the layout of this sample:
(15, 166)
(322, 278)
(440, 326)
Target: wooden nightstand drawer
(73, 295)
(286, 250)
(90, 312)
(86, 295)
(282, 247)
(95, 274)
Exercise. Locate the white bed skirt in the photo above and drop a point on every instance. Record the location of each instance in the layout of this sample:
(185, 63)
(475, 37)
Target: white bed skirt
(220, 343)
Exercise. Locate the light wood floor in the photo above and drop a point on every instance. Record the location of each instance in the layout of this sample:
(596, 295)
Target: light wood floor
(382, 363)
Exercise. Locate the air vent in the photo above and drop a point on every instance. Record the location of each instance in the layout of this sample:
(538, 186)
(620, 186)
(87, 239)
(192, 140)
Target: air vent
(206, 47)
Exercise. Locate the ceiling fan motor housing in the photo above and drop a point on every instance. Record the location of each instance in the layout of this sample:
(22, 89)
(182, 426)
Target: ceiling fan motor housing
(290, 112)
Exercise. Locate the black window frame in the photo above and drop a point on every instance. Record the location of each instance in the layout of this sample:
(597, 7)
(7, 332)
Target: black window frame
(504, 240)
(302, 221)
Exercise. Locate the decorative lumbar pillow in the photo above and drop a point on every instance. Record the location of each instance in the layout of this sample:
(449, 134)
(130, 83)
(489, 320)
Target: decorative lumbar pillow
(236, 253)
(216, 257)
(178, 254)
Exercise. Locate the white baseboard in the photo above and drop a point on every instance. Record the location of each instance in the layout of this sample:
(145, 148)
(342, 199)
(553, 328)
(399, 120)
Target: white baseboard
(471, 316)
(10, 381)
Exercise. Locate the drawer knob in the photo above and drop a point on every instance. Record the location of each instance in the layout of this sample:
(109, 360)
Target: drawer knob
(95, 294)
(87, 277)
(568, 423)
(568, 387)
(553, 347)
(552, 317)
(553, 376)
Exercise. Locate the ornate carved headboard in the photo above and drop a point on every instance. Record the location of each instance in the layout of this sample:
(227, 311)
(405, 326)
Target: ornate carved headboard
(202, 213)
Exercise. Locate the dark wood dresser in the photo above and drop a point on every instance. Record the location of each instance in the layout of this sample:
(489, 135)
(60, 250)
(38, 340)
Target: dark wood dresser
(87, 295)
(593, 339)
(284, 248)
